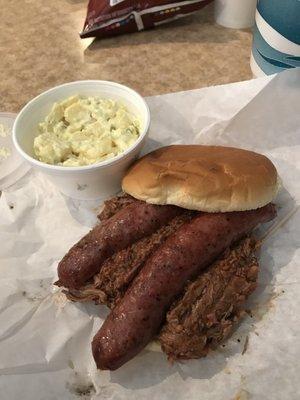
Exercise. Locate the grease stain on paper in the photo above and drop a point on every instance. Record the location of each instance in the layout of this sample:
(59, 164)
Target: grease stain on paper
(242, 395)
(60, 299)
(5, 152)
(81, 386)
(4, 131)
(37, 293)
(31, 297)
(263, 307)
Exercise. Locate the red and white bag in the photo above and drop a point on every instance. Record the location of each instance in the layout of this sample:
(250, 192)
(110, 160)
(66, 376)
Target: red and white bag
(112, 17)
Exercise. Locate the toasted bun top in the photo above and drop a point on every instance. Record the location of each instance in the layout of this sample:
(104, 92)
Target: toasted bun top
(205, 178)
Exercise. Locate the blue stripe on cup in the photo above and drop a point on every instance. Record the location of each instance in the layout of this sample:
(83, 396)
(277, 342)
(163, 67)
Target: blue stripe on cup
(269, 54)
(283, 16)
(263, 63)
(276, 36)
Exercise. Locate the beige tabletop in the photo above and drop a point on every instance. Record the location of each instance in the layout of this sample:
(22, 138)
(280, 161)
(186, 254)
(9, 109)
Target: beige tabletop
(40, 48)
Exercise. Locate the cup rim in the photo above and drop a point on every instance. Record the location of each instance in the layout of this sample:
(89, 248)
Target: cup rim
(90, 167)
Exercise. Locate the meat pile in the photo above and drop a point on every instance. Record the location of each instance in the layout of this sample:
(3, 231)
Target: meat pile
(165, 272)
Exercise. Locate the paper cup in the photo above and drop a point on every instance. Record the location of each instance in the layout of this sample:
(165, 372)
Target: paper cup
(276, 37)
(95, 181)
(236, 14)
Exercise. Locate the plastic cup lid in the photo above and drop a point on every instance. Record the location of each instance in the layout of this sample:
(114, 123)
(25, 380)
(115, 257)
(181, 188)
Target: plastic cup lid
(12, 167)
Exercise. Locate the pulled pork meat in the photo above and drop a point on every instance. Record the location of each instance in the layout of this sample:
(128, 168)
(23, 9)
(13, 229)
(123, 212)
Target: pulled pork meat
(211, 305)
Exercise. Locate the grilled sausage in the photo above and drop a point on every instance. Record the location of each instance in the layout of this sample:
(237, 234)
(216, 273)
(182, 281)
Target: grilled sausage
(128, 225)
(115, 204)
(138, 316)
(119, 270)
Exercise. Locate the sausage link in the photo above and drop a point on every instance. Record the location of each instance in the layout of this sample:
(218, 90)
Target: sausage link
(138, 316)
(130, 224)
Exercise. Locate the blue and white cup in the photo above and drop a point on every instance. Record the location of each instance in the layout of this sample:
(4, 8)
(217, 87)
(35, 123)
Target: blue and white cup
(276, 37)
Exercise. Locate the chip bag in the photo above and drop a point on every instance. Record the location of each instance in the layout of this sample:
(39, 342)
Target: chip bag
(113, 17)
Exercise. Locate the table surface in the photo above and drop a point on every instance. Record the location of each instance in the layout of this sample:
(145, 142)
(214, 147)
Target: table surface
(40, 48)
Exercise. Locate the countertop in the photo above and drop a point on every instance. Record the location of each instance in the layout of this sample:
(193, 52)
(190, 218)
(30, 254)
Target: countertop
(40, 48)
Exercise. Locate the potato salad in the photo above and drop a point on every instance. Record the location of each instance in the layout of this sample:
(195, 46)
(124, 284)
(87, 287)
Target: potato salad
(85, 130)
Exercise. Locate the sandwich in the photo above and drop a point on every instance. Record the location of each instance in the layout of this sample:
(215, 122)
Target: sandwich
(174, 256)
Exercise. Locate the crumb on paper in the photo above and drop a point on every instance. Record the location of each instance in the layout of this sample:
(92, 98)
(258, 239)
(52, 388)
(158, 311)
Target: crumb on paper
(81, 187)
(259, 310)
(11, 206)
(227, 371)
(4, 131)
(245, 345)
(81, 390)
(5, 152)
(275, 295)
(32, 297)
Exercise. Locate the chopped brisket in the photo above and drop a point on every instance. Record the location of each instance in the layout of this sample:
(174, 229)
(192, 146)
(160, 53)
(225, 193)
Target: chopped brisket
(210, 306)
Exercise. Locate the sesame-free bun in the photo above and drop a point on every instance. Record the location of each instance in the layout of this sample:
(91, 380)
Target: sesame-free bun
(205, 178)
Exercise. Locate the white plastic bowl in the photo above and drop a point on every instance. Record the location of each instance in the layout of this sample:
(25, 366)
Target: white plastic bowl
(92, 181)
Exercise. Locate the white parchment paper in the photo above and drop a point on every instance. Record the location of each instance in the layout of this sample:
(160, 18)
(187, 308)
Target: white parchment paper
(45, 351)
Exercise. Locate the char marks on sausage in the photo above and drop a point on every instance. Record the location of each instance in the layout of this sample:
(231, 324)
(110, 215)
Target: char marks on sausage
(131, 223)
(117, 272)
(115, 204)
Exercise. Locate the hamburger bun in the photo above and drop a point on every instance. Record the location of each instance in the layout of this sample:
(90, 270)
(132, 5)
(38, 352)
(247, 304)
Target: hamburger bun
(204, 178)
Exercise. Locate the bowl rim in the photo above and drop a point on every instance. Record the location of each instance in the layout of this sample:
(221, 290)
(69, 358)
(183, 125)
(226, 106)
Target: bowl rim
(100, 164)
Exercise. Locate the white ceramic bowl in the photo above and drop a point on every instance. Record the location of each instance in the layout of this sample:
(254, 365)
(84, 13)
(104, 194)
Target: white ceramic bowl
(92, 181)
